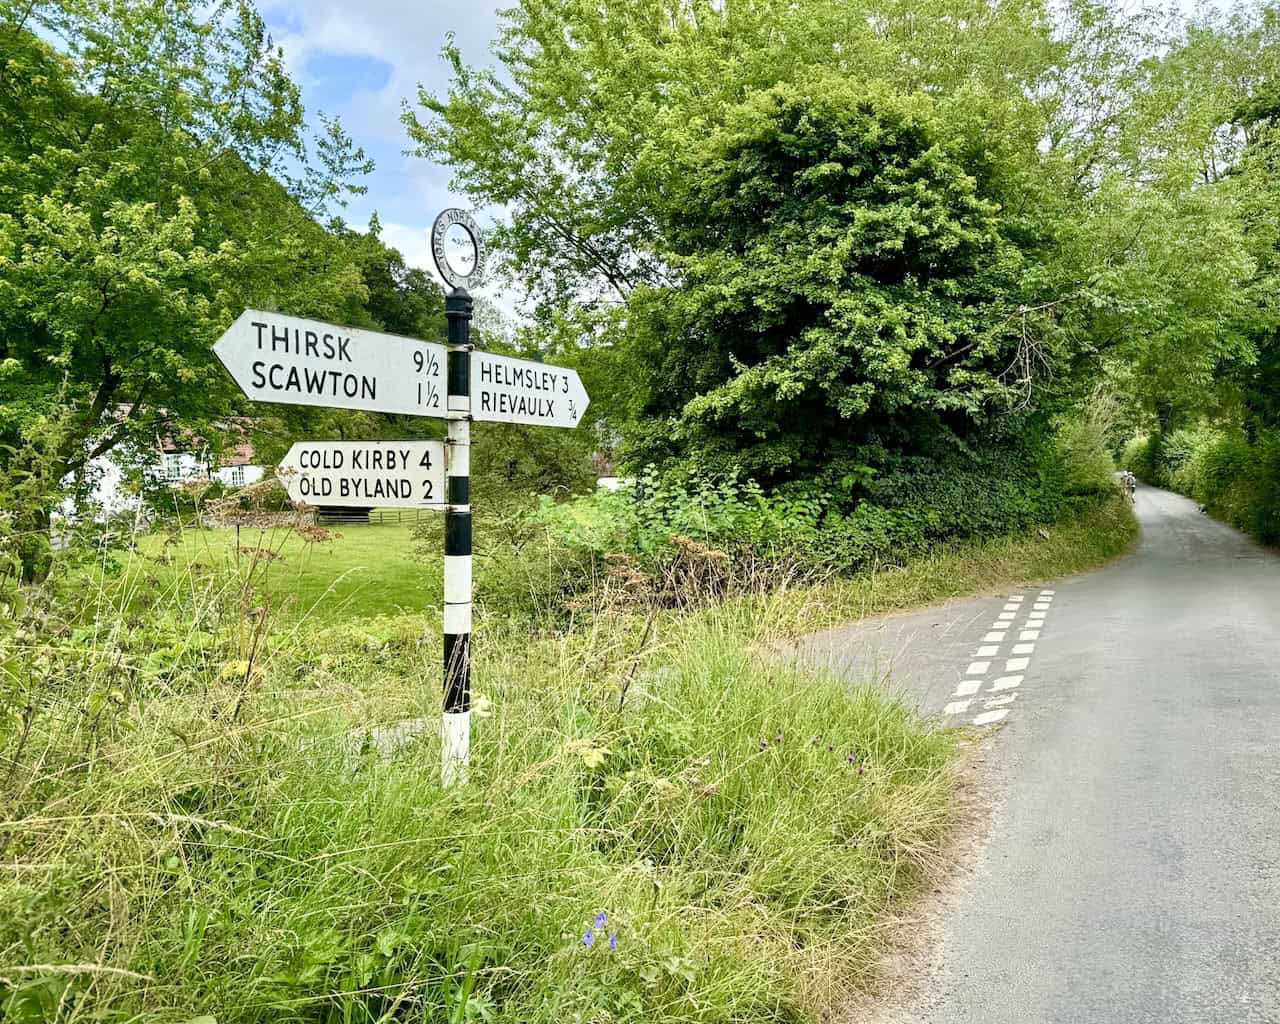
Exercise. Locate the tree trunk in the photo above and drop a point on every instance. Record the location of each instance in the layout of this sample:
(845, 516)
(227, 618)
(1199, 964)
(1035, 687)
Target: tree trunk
(35, 544)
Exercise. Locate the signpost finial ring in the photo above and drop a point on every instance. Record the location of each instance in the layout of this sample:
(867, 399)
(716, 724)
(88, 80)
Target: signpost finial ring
(458, 248)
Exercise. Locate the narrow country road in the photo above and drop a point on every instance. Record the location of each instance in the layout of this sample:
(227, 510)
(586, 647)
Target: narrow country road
(1132, 873)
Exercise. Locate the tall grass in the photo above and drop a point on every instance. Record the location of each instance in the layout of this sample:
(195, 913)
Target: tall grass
(204, 835)
(197, 826)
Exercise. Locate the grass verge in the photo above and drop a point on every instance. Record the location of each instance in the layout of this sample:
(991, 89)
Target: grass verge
(1078, 543)
(676, 831)
(215, 847)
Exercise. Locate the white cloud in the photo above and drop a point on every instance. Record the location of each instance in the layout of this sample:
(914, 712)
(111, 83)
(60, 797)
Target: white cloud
(414, 244)
(406, 35)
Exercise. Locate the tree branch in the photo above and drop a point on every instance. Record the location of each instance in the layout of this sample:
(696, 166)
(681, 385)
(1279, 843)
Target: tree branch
(111, 381)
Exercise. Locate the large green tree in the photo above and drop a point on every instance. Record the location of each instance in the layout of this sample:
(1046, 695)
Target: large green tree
(156, 177)
(850, 278)
(595, 135)
(1175, 240)
(578, 136)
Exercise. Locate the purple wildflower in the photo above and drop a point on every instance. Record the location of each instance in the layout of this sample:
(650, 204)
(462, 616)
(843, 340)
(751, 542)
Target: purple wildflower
(778, 738)
(600, 920)
(764, 744)
(589, 939)
(613, 940)
(850, 759)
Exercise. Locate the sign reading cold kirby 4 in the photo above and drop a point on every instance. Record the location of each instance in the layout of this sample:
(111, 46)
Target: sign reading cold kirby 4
(280, 358)
(365, 474)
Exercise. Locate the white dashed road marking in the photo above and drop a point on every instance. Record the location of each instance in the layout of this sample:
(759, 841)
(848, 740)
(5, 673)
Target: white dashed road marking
(1002, 693)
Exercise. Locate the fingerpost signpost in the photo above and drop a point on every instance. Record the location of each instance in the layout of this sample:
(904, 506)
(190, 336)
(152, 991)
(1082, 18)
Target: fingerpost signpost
(278, 358)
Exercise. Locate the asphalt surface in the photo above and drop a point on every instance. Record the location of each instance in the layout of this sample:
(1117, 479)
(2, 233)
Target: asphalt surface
(1131, 873)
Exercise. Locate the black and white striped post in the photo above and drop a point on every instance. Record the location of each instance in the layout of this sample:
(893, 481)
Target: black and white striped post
(456, 727)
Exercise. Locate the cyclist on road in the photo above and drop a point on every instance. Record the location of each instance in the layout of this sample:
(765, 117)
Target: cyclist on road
(1130, 484)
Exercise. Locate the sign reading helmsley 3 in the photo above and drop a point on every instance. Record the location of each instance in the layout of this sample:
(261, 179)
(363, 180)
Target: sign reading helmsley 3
(278, 358)
(523, 391)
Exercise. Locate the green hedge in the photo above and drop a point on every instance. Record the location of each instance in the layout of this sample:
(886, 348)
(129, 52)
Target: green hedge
(907, 507)
(1236, 478)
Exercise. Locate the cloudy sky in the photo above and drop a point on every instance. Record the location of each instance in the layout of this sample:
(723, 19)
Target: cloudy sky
(359, 59)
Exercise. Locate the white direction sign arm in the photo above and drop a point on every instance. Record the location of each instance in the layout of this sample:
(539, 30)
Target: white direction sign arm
(509, 390)
(287, 359)
(365, 474)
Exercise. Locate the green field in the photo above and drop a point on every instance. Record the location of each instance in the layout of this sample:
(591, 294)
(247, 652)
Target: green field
(362, 572)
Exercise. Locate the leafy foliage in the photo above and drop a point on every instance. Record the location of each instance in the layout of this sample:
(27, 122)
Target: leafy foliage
(845, 280)
(1046, 198)
(690, 537)
(140, 162)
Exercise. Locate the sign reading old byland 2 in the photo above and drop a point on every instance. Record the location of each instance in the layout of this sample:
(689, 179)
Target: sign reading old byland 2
(364, 474)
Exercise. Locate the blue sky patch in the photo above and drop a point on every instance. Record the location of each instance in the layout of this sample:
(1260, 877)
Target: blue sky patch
(333, 77)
